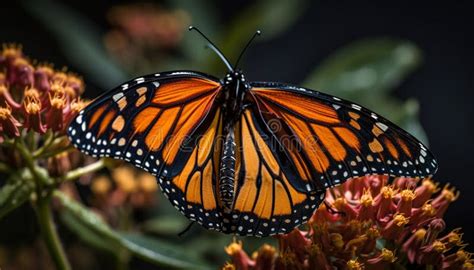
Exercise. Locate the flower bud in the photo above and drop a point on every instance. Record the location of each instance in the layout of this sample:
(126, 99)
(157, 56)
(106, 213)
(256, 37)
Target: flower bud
(265, 257)
(424, 192)
(240, 259)
(6, 99)
(432, 253)
(43, 75)
(55, 117)
(8, 123)
(394, 228)
(385, 203)
(405, 203)
(383, 261)
(32, 109)
(413, 244)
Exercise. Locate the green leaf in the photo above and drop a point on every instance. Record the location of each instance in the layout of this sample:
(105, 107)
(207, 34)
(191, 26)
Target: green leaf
(89, 236)
(366, 67)
(145, 247)
(80, 40)
(165, 225)
(153, 253)
(17, 190)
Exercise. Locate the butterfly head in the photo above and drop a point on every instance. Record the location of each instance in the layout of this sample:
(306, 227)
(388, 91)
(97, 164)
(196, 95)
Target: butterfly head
(232, 77)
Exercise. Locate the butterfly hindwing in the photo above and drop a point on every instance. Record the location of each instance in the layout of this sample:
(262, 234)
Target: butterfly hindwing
(193, 190)
(265, 202)
(333, 140)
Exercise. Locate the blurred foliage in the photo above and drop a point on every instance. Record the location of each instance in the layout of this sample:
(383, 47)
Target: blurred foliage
(365, 72)
(97, 233)
(15, 192)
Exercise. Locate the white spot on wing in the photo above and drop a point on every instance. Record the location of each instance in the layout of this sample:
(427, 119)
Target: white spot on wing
(79, 119)
(382, 126)
(117, 96)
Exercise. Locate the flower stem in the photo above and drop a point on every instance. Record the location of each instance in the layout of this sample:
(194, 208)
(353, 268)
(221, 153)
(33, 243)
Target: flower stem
(72, 175)
(30, 163)
(50, 235)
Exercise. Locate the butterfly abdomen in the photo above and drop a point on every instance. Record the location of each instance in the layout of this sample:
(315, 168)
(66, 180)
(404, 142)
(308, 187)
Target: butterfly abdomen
(227, 172)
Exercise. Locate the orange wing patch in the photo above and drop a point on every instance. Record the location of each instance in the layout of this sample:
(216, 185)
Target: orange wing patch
(104, 124)
(95, 117)
(331, 143)
(404, 147)
(309, 108)
(188, 120)
(391, 148)
(310, 143)
(196, 179)
(348, 137)
(177, 91)
(160, 129)
(144, 118)
(375, 146)
(273, 196)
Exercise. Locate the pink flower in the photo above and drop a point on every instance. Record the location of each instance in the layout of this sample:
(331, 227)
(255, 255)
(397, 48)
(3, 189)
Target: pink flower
(239, 258)
(32, 107)
(382, 261)
(8, 122)
(381, 221)
(413, 244)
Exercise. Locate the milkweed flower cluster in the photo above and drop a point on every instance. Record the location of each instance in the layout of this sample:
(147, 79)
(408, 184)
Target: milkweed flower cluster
(36, 104)
(37, 97)
(374, 225)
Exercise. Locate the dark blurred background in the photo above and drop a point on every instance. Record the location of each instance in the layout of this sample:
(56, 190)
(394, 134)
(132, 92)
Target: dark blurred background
(442, 83)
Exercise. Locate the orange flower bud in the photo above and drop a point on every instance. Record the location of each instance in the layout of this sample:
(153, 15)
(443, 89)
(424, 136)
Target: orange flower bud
(8, 123)
(240, 259)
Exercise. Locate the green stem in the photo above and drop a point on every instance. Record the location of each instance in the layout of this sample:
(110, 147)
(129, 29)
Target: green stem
(30, 140)
(55, 152)
(49, 139)
(50, 235)
(72, 175)
(30, 163)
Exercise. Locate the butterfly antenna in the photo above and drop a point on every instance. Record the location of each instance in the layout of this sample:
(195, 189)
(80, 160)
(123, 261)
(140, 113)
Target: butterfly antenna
(214, 48)
(258, 33)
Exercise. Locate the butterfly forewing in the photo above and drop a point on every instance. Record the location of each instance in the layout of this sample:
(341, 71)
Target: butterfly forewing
(333, 140)
(166, 124)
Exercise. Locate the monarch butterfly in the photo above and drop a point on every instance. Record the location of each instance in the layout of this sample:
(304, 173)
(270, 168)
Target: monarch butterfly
(247, 158)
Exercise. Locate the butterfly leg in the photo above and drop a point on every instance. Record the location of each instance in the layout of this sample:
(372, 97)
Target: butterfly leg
(186, 229)
(333, 211)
